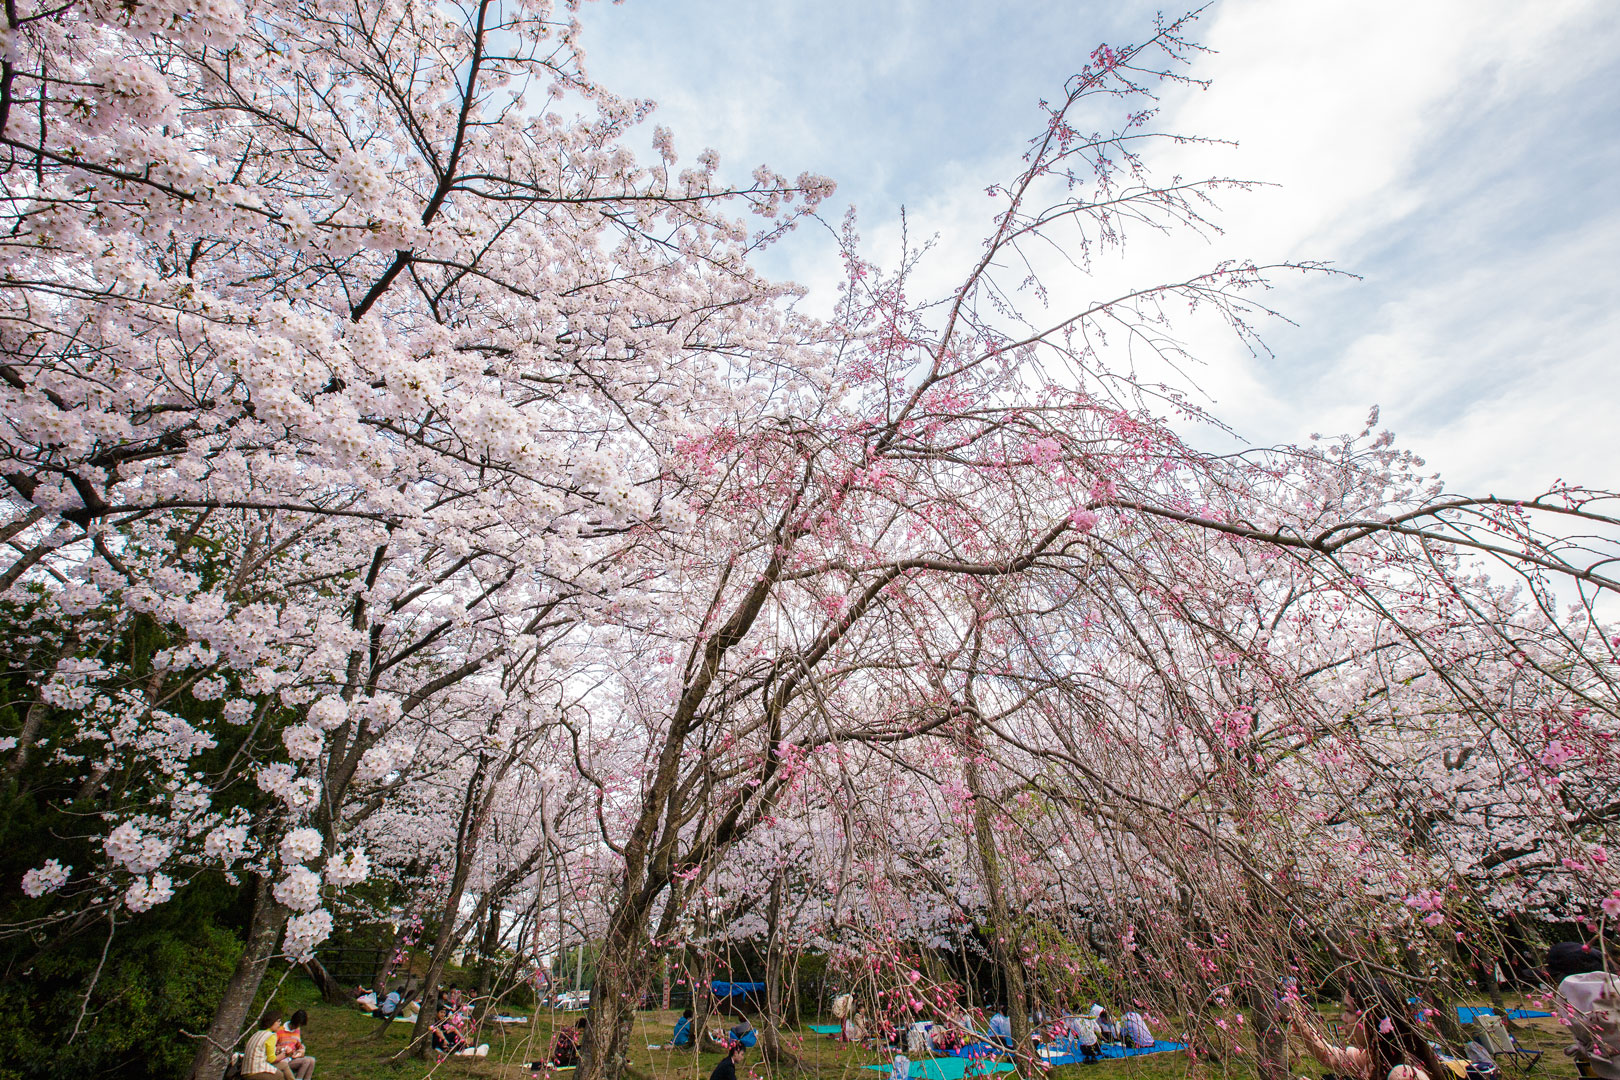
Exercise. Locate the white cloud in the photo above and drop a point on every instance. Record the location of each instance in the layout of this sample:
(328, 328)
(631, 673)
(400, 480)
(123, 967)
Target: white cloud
(1459, 154)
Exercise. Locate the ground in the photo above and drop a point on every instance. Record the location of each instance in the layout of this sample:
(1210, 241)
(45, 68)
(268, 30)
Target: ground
(343, 1040)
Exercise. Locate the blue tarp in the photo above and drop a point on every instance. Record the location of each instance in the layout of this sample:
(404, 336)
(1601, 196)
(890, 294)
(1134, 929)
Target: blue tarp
(1466, 1013)
(978, 1049)
(949, 1068)
(735, 989)
(1115, 1050)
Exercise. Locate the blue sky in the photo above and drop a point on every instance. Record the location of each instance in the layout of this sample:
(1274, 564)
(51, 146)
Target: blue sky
(1462, 156)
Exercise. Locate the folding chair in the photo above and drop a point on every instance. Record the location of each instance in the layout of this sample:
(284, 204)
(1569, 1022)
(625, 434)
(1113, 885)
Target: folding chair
(1496, 1038)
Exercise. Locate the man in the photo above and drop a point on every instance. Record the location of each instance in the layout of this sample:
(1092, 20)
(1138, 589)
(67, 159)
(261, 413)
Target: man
(683, 1030)
(727, 1069)
(388, 1006)
(259, 1054)
(1001, 1029)
(1588, 1004)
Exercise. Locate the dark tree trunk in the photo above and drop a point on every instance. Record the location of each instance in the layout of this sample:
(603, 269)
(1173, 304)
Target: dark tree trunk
(770, 1031)
(332, 991)
(621, 979)
(1004, 942)
(264, 930)
(1270, 1035)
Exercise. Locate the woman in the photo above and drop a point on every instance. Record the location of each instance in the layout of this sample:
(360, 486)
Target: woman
(290, 1046)
(1394, 1049)
(259, 1057)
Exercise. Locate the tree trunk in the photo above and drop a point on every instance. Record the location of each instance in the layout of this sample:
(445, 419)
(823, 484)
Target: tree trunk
(1003, 937)
(621, 979)
(1270, 1035)
(264, 930)
(702, 999)
(385, 964)
(332, 991)
(490, 942)
(443, 946)
(770, 1032)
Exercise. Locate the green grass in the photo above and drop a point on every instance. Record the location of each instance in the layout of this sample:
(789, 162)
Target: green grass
(343, 1040)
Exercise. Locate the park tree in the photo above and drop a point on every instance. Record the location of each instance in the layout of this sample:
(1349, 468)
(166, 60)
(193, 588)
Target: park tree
(390, 453)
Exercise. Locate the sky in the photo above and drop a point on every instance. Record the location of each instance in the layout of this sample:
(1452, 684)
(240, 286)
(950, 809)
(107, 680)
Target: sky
(1461, 157)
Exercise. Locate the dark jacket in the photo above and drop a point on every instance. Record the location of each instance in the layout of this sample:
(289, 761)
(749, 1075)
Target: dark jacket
(726, 1070)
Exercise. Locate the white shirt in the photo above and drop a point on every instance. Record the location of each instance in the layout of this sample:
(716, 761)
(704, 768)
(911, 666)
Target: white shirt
(1591, 1008)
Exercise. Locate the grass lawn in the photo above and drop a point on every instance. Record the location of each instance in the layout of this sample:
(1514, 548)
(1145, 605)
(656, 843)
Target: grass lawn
(345, 1042)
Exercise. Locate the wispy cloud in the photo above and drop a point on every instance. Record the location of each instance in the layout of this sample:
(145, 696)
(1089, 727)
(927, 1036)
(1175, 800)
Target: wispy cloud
(1459, 155)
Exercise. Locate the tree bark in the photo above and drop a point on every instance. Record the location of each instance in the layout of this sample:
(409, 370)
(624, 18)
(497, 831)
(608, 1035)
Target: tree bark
(1270, 1035)
(1004, 944)
(621, 978)
(770, 1031)
(331, 991)
(264, 930)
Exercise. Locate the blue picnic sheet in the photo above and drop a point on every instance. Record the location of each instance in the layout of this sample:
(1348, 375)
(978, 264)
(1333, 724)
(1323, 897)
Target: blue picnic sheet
(947, 1068)
(1466, 1013)
(978, 1050)
(1115, 1050)
(825, 1029)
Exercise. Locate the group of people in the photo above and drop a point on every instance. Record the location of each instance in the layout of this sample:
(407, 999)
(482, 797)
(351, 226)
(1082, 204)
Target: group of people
(452, 1025)
(276, 1051)
(1096, 1027)
(742, 1033)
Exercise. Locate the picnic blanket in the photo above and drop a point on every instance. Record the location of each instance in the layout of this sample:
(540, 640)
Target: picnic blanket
(1466, 1013)
(1115, 1050)
(825, 1029)
(978, 1050)
(948, 1068)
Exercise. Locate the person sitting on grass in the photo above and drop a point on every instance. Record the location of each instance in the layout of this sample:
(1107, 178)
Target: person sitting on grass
(1134, 1032)
(565, 1055)
(1084, 1031)
(447, 1037)
(727, 1069)
(1588, 1003)
(1001, 1029)
(742, 1032)
(259, 1058)
(683, 1030)
(290, 1046)
(388, 1007)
